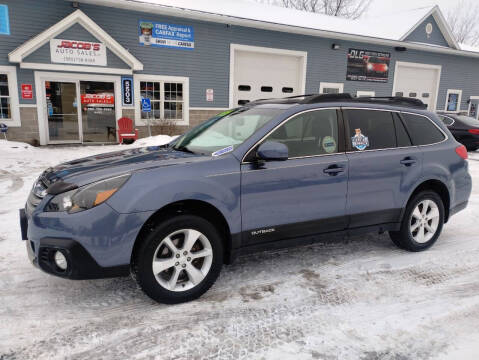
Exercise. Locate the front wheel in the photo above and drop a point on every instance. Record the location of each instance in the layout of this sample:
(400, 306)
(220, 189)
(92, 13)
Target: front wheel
(179, 260)
(422, 222)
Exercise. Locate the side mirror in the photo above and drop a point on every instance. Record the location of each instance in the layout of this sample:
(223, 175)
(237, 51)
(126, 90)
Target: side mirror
(272, 150)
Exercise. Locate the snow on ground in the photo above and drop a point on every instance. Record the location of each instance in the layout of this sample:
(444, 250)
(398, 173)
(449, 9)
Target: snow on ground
(356, 298)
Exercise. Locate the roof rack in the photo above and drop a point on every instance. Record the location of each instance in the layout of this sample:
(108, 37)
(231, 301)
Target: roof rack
(344, 97)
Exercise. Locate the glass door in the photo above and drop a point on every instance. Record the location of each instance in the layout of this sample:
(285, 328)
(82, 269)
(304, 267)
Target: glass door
(62, 112)
(98, 111)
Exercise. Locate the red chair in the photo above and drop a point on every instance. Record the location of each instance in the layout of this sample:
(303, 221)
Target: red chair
(125, 130)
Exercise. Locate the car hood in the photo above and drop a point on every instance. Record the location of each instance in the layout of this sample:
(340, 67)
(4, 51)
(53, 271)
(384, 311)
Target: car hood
(97, 167)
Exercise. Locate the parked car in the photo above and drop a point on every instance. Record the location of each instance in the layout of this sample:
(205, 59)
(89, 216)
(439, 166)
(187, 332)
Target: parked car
(464, 128)
(271, 174)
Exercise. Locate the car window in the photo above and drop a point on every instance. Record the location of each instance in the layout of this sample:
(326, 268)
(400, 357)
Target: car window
(402, 136)
(422, 130)
(446, 120)
(222, 133)
(370, 129)
(309, 133)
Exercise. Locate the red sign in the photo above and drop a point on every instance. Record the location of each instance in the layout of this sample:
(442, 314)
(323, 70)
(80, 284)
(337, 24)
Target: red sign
(65, 44)
(27, 91)
(97, 99)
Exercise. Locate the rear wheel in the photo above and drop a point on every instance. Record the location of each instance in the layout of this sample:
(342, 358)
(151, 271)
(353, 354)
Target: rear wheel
(179, 260)
(422, 222)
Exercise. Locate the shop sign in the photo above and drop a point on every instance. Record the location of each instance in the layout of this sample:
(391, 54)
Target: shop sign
(366, 65)
(27, 91)
(108, 99)
(77, 52)
(210, 95)
(127, 90)
(4, 20)
(166, 35)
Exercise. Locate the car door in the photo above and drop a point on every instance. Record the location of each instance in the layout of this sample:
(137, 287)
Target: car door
(304, 194)
(383, 166)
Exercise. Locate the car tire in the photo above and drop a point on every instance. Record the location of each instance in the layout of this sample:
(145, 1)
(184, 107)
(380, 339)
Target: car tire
(422, 222)
(168, 265)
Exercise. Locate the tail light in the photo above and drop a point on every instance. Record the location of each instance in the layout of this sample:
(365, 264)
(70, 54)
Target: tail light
(462, 152)
(474, 131)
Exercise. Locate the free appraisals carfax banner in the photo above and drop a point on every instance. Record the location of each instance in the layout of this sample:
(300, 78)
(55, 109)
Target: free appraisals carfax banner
(166, 35)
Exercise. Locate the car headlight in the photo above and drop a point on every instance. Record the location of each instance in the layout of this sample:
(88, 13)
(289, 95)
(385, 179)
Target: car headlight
(86, 197)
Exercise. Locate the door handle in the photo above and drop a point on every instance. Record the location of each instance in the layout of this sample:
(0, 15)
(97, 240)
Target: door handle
(408, 161)
(333, 170)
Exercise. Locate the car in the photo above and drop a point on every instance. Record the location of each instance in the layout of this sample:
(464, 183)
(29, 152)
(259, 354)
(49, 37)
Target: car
(272, 174)
(464, 128)
(376, 65)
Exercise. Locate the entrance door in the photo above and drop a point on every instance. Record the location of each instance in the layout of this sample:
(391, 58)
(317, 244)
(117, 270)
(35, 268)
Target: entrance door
(62, 112)
(98, 111)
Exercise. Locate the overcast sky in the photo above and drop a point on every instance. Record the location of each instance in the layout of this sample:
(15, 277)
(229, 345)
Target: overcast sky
(379, 7)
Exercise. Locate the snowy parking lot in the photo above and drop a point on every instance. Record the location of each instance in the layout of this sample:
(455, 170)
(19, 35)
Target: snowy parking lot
(355, 298)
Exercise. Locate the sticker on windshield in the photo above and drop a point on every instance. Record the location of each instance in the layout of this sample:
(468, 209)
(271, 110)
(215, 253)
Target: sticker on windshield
(223, 151)
(359, 140)
(329, 144)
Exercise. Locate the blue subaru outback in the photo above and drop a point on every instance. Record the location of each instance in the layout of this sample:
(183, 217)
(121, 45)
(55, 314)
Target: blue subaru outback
(271, 174)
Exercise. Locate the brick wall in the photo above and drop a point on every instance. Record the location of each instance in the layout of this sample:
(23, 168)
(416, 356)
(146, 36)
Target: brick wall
(28, 132)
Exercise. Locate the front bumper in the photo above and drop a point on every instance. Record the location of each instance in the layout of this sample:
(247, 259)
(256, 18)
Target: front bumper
(96, 243)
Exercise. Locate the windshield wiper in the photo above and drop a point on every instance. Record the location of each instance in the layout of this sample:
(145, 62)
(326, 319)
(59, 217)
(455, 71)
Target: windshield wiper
(184, 149)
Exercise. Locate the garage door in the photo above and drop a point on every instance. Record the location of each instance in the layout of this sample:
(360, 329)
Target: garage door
(262, 75)
(417, 81)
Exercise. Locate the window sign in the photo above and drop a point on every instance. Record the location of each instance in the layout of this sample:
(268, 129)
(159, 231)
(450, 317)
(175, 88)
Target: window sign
(166, 35)
(127, 90)
(452, 101)
(4, 20)
(77, 52)
(27, 91)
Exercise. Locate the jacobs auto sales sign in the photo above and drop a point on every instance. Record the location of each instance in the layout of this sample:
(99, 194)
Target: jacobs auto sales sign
(77, 52)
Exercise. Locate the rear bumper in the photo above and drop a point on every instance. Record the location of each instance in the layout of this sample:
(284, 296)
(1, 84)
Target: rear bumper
(454, 210)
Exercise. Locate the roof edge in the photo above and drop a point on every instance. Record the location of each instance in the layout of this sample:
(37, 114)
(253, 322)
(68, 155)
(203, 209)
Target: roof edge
(441, 23)
(225, 19)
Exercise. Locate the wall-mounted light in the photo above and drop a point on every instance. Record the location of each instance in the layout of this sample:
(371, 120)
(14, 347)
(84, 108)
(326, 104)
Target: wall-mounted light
(75, 5)
(400, 48)
(335, 47)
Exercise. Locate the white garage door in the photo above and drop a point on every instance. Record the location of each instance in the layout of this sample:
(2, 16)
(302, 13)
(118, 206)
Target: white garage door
(261, 74)
(417, 81)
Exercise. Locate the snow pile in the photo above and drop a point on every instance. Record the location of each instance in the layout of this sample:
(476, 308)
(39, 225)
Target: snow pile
(154, 140)
(13, 146)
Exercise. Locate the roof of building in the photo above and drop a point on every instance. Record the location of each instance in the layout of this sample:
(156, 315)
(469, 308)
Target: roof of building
(393, 27)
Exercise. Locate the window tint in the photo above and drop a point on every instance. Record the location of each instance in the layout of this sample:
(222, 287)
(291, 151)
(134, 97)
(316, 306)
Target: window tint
(446, 120)
(310, 133)
(422, 130)
(402, 136)
(370, 130)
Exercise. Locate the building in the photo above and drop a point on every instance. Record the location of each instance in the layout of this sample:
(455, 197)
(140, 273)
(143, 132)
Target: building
(69, 70)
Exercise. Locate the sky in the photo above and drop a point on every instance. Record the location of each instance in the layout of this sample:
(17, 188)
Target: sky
(379, 7)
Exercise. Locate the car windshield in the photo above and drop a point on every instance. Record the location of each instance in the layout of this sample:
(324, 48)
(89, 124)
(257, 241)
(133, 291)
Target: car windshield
(225, 131)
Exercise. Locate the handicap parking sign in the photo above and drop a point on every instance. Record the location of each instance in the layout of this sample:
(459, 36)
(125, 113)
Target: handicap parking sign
(145, 105)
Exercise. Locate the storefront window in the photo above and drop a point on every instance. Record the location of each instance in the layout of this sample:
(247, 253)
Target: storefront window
(5, 111)
(166, 99)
